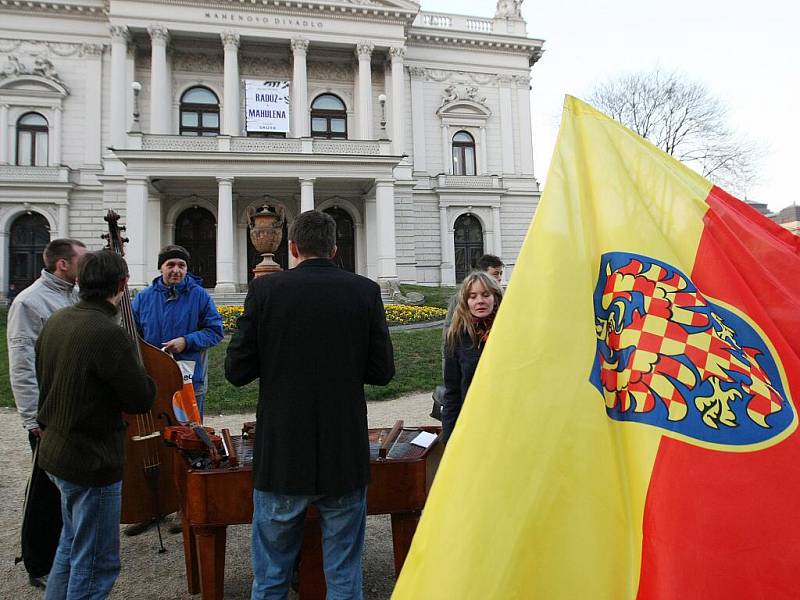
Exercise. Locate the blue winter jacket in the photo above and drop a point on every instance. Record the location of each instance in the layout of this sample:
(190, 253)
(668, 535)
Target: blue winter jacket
(184, 310)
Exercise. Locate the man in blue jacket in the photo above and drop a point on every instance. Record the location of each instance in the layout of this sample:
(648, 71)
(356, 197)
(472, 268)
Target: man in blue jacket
(175, 313)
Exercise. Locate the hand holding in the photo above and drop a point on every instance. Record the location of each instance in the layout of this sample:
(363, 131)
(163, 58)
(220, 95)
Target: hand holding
(175, 346)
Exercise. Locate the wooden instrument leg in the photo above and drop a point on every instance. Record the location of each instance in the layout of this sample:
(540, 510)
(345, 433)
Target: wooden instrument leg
(404, 525)
(210, 545)
(190, 558)
(312, 577)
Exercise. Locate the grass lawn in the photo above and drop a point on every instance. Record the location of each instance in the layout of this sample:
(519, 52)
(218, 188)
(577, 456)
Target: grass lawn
(417, 356)
(434, 296)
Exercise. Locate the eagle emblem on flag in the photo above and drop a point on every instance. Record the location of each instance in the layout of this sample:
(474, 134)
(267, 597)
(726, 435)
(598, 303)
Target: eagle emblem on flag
(669, 356)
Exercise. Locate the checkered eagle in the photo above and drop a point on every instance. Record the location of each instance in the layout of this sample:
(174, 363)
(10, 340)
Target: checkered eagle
(663, 348)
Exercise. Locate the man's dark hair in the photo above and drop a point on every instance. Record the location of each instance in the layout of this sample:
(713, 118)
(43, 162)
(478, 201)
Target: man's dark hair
(314, 233)
(100, 273)
(489, 260)
(58, 249)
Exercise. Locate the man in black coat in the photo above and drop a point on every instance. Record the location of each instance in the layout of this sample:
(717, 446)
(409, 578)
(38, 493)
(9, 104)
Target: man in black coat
(314, 336)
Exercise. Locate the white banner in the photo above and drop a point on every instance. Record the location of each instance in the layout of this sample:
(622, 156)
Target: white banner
(266, 105)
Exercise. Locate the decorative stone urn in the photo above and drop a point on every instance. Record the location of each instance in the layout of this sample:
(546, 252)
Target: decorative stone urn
(266, 233)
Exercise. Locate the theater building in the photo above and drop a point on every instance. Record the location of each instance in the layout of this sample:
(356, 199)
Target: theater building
(412, 129)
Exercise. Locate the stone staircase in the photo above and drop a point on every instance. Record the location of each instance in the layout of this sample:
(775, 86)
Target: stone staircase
(235, 299)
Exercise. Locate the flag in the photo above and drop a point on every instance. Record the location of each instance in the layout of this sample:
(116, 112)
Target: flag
(631, 431)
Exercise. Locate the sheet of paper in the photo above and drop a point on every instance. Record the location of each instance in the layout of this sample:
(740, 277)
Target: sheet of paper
(424, 439)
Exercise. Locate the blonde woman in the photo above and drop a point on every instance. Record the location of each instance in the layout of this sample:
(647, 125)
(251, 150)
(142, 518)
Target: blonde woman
(478, 300)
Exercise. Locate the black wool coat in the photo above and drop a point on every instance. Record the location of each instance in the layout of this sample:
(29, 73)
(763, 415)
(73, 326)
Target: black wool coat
(313, 336)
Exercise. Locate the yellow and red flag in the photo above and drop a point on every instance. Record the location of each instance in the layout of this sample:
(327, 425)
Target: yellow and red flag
(631, 431)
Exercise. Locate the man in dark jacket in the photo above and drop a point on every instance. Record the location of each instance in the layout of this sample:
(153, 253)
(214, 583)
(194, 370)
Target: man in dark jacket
(314, 336)
(89, 374)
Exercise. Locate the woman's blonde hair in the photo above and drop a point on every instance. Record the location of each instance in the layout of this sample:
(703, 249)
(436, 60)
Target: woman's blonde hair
(462, 319)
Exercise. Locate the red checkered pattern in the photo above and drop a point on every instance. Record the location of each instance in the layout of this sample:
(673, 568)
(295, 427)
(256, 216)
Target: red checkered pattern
(660, 336)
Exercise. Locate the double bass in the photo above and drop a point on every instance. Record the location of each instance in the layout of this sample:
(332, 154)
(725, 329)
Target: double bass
(148, 485)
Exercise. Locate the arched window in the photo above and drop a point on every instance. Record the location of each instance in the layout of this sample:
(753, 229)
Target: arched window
(32, 140)
(28, 236)
(328, 117)
(463, 154)
(199, 112)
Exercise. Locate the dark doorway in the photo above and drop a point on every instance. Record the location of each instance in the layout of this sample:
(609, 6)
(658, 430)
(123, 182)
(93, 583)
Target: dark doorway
(281, 254)
(468, 238)
(28, 236)
(345, 239)
(196, 230)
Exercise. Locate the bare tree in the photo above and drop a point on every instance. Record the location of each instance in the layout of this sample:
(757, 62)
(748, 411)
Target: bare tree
(682, 118)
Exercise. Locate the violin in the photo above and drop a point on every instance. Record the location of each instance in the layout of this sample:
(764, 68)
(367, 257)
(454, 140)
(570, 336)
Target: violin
(148, 485)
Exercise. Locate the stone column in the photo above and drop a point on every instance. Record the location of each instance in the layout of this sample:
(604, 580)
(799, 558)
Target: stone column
(54, 158)
(506, 125)
(136, 220)
(418, 117)
(118, 110)
(4, 135)
(384, 209)
(306, 194)
(371, 236)
(63, 220)
(446, 270)
(92, 114)
(159, 85)
(226, 283)
(230, 120)
(364, 54)
(398, 100)
(498, 238)
(524, 127)
(447, 164)
(299, 91)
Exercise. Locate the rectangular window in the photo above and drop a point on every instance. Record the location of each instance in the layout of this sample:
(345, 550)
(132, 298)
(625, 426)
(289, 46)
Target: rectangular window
(189, 119)
(41, 149)
(24, 148)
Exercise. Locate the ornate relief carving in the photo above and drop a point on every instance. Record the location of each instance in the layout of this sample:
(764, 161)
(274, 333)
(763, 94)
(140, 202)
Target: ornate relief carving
(261, 66)
(417, 72)
(230, 40)
(197, 61)
(451, 94)
(35, 47)
(158, 34)
(364, 49)
(92, 49)
(179, 142)
(331, 71)
(299, 45)
(119, 33)
(41, 67)
(346, 147)
(397, 52)
(277, 146)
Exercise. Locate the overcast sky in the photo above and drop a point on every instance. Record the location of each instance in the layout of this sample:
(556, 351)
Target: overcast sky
(746, 53)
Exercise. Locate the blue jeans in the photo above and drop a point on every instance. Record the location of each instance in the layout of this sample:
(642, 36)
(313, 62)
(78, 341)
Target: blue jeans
(201, 399)
(278, 535)
(87, 560)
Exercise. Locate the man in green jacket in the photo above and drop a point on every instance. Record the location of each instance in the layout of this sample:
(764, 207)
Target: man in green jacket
(89, 373)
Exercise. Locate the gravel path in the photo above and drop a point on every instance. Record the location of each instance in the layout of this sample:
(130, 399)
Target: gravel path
(149, 575)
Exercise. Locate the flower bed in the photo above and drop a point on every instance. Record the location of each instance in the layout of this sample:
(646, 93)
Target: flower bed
(396, 314)
(400, 314)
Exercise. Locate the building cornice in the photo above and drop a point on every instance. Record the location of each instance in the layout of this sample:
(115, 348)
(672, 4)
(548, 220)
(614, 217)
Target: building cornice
(479, 42)
(93, 10)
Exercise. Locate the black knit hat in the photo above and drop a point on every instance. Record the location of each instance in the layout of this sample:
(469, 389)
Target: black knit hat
(172, 251)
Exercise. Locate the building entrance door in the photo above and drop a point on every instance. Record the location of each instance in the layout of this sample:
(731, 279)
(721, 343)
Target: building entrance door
(196, 230)
(28, 236)
(468, 239)
(345, 239)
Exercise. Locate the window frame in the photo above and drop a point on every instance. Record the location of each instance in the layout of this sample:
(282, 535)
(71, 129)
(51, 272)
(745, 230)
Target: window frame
(459, 150)
(328, 115)
(200, 108)
(32, 130)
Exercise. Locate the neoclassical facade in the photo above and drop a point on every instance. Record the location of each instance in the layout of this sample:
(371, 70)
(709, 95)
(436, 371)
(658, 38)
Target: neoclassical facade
(411, 128)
